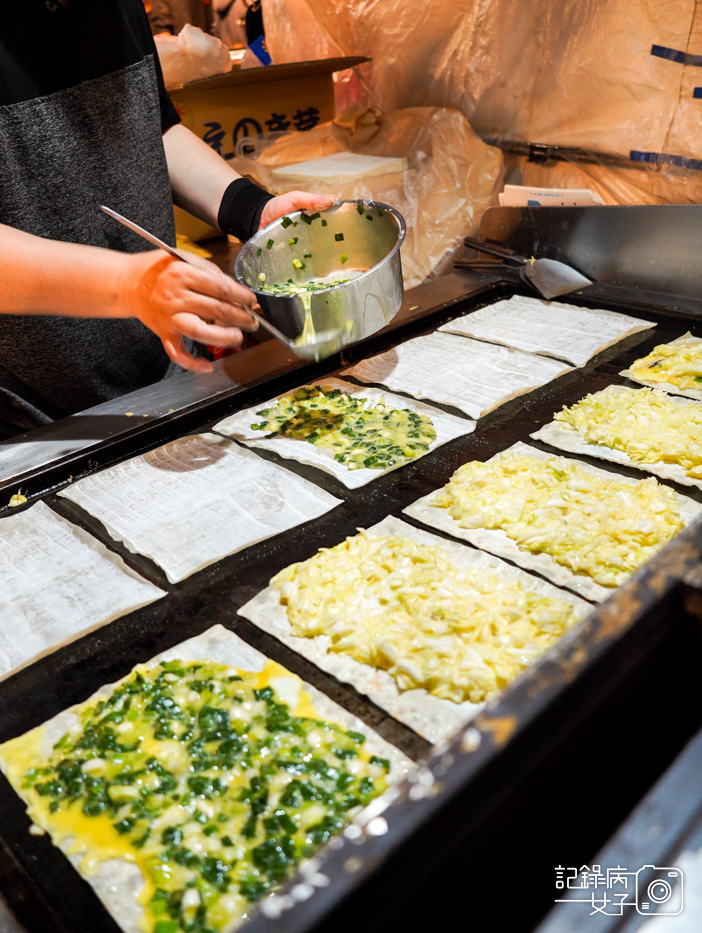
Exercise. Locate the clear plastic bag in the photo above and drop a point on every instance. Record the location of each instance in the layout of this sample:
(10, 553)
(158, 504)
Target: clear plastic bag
(614, 78)
(190, 55)
(451, 176)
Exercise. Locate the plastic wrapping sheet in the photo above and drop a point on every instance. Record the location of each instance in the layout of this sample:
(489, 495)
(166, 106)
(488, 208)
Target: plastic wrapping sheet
(191, 55)
(618, 77)
(452, 176)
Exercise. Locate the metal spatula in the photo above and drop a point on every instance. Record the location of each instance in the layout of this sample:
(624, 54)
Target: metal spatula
(548, 276)
(323, 344)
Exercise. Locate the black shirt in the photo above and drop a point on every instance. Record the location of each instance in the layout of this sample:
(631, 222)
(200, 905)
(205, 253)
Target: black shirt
(46, 47)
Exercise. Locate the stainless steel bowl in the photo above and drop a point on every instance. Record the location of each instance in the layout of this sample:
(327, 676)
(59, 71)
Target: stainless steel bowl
(372, 236)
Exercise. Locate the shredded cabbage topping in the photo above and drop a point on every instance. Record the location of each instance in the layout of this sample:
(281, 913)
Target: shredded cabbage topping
(461, 633)
(644, 423)
(679, 364)
(356, 434)
(601, 527)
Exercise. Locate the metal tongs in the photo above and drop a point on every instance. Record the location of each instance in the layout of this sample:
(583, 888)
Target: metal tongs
(548, 276)
(307, 350)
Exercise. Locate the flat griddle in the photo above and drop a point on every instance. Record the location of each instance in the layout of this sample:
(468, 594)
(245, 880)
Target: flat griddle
(460, 788)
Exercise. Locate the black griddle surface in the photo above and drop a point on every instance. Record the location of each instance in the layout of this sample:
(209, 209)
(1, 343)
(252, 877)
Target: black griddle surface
(42, 887)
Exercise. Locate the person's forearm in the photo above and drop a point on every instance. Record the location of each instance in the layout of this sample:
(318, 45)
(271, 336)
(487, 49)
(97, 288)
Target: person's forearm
(41, 276)
(199, 177)
(174, 299)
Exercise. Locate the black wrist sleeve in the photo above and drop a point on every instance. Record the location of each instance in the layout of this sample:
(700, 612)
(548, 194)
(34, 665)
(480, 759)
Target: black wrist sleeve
(241, 209)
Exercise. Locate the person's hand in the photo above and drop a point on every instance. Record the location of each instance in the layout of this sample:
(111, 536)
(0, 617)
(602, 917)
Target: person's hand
(175, 299)
(294, 201)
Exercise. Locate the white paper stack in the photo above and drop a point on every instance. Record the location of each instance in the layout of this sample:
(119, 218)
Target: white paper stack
(549, 328)
(197, 500)
(341, 165)
(57, 583)
(524, 196)
(472, 376)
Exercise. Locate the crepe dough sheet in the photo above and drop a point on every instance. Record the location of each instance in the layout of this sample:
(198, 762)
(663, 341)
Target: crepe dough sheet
(496, 541)
(564, 437)
(470, 375)
(57, 583)
(238, 426)
(687, 340)
(550, 328)
(118, 883)
(433, 718)
(196, 500)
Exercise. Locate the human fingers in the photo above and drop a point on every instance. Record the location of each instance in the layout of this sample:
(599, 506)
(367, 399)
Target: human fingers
(209, 280)
(173, 346)
(212, 310)
(295, 201)
(189, 325)
(207, 292)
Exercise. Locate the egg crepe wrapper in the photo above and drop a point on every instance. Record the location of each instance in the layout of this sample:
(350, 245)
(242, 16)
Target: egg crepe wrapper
(687, 340)
(57, 583)
(549, 328)
(238, 426)
(498, 542)
(118, 883)
(563, 437)
(470, 375)
(433, 718)
(197, 500)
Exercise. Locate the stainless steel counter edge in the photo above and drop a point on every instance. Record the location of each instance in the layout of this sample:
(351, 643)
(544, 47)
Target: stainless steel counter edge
(171, 398)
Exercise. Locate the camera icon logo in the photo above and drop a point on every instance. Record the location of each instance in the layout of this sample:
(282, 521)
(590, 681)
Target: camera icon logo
(659, 891)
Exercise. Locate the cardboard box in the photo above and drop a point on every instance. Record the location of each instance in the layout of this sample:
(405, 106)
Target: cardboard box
(226, 108)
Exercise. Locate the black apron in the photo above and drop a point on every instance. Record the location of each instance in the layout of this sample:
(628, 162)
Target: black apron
(61, 156)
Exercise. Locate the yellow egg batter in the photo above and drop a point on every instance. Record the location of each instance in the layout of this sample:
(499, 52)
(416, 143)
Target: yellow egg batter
(353, 432)
(202, 776)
